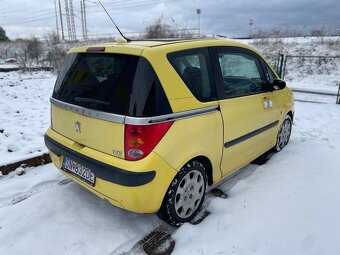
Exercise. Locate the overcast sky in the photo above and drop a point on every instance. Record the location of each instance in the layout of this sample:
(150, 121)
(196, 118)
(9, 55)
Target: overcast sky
(23, 18)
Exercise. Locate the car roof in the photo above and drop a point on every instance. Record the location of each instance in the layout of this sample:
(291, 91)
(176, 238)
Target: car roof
(176, 42)
(136, 47)
(155, 43)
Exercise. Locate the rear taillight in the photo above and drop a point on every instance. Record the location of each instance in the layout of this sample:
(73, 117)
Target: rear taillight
(140, 140)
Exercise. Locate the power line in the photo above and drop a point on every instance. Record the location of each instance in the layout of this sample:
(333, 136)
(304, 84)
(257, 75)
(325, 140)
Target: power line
(44, 15)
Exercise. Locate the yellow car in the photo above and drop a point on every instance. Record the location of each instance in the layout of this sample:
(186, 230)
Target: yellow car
(149, 125)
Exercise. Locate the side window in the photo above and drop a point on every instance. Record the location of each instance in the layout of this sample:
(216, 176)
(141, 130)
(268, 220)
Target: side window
(147, 95)
(270, 75)
(242, 74)
(194, 67)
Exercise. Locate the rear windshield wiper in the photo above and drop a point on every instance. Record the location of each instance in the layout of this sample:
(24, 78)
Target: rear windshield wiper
(90, 100)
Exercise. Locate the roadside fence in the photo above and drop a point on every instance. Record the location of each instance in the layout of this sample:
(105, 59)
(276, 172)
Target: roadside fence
(312, 77)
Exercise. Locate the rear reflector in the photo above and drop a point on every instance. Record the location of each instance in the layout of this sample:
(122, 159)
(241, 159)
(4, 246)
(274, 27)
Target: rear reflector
(141, 140)
(95, 49)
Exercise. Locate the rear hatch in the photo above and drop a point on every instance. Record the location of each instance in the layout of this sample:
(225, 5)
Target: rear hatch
(95, 91)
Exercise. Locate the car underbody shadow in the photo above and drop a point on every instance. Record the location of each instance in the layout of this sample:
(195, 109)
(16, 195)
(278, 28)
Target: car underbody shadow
(264, 158)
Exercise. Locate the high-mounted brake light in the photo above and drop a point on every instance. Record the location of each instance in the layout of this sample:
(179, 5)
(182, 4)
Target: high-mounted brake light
(140, 140)
(95, 49)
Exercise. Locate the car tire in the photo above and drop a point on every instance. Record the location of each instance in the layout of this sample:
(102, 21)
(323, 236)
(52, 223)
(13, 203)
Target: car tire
(284, 133)
(185, 194)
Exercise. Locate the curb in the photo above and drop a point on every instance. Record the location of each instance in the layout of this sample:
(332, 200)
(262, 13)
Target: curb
(25, 69)
(315, 92)
(36, 161)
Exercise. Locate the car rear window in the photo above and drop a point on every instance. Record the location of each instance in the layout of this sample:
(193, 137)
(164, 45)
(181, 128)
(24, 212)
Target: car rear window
(113, 83)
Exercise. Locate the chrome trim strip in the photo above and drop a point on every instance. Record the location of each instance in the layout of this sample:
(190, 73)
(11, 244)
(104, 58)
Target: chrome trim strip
(169, 117)
(88, 112)
(132, 120)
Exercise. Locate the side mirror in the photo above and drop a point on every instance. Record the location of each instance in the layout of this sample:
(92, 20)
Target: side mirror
(279, 84)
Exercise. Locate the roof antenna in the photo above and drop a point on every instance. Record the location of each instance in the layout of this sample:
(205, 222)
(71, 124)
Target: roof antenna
(127, 39)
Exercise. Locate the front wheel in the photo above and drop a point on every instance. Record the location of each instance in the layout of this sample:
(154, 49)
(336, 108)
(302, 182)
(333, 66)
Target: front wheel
(185, 194)
(284, 133)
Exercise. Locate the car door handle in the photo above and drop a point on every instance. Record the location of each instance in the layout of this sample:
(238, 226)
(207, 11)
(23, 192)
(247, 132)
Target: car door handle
(267, 102)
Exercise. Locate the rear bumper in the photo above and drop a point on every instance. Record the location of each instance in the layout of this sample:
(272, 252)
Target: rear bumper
(137, 186)
(101, 170)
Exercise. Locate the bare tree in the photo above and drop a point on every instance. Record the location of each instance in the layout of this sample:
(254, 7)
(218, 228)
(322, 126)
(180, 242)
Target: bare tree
(56, 56)
(317, 31)
(158, 29)
(34, 48)
(51, 38)
(166, 28)
(278, 32)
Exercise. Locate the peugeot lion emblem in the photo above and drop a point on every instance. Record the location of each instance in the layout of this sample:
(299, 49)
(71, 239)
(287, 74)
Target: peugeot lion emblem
(77, 127)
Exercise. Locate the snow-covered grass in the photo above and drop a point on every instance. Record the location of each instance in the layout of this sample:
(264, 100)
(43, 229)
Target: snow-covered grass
(24, 114)
(8, 66)
(290, 205)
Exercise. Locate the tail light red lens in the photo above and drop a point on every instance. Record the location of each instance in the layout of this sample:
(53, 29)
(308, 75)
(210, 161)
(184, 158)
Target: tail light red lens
(141, 140)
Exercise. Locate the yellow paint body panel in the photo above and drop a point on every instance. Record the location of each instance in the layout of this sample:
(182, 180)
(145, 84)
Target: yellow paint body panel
(104, 136)
(142, 199)
(199, 136)
(193, 137)
(241, 116)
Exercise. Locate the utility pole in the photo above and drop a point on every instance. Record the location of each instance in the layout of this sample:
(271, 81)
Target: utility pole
(251, 23)
(70, 36)
(198, 12)
(82, 18)
(73, 27)
(85, 22)
(56, 18)
(61, 23)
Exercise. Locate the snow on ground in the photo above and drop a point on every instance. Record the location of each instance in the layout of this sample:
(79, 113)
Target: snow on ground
(52, 216)
(8, 66)
(312, 85)
(24, 114)
(290, 205)
(314, 97)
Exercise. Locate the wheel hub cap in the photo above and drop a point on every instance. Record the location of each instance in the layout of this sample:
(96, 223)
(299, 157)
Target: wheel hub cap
(189, 194)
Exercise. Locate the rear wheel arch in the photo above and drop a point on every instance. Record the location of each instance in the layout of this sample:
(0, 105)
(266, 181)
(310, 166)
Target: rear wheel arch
(208, 167)
(171, 208)
(291, 115)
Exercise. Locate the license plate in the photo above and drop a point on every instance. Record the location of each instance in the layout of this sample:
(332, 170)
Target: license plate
(78, 171)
